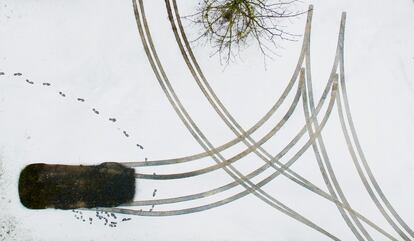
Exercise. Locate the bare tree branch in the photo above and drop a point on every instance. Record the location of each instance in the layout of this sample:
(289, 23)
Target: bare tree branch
(230, 25)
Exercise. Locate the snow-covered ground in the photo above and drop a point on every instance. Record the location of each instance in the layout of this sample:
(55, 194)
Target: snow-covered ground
(91, 50)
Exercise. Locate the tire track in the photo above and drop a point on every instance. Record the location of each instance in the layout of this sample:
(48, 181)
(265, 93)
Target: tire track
(198, 135)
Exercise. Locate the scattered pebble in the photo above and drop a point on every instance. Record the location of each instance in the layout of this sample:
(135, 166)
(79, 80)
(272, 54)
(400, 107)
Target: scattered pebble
(1, 73)
(126, 134)
(95, 111)
(112, 119)
(80, 99)
(30, 82)
(154, 193)
(46, 84)
(62, 94)
(17, 74)
(140, 147)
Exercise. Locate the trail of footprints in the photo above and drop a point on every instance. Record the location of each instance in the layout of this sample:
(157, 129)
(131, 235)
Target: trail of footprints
(80, 100)
(108, 219)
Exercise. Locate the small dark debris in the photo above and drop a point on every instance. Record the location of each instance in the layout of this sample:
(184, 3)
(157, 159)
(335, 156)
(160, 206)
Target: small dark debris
(112, 119)
(62, 94)
(126, 134)
(95, 111)
(46, 84)
(80, 99)
(1, 73)
(17, 74)
(30, 82)
(140, 147)
(107, 218)
(154, 193)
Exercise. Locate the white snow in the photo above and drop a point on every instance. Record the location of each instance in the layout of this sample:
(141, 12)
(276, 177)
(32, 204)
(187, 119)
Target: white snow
(91, 49)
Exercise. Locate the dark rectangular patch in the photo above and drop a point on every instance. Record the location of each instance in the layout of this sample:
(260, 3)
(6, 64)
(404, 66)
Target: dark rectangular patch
(68, 187)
